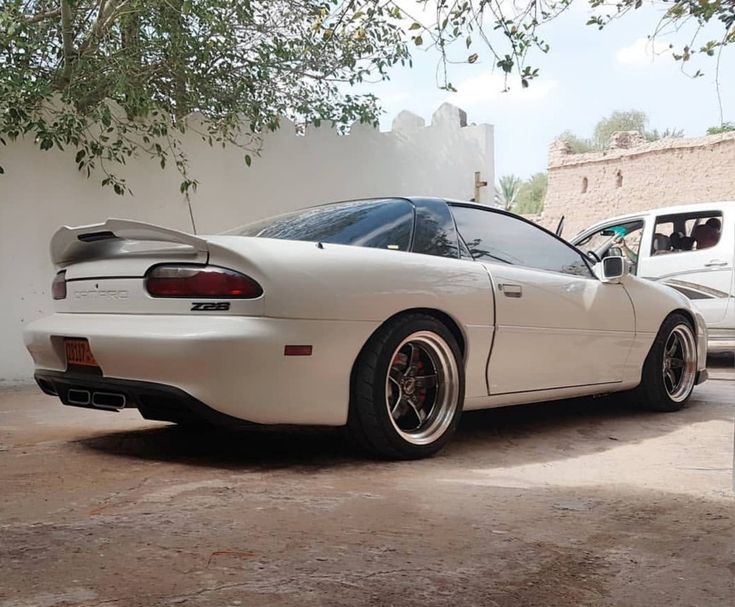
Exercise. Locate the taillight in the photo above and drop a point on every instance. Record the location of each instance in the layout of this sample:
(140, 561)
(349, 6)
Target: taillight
(58, 286)
(200, 281)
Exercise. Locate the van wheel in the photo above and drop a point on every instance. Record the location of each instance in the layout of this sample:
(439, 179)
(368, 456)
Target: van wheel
(407, 389)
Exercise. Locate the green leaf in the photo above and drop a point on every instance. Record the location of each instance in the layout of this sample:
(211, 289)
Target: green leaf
(239, 63)
(248, 160)
(2, 170)
(418, 40)
(472, 58)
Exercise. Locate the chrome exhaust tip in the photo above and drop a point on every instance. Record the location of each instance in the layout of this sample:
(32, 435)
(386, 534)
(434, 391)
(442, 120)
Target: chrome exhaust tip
(111, 401)
(78, 397)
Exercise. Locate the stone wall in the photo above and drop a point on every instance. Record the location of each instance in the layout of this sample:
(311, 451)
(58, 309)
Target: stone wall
(41, 191)
(635, 175)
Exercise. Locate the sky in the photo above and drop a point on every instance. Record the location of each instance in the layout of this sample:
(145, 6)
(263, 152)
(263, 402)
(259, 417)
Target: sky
(586, 75)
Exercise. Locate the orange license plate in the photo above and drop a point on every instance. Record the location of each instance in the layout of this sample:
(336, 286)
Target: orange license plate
(79, 353)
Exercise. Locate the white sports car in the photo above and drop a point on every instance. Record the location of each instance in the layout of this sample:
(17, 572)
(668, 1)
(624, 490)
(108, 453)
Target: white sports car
(388, 316)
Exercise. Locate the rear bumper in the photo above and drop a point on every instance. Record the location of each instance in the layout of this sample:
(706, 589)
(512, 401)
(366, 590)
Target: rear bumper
(154, 401)
(234, 365)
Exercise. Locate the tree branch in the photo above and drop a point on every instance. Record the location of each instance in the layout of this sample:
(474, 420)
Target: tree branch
(67, 36)
(108, 13)
(43, 16)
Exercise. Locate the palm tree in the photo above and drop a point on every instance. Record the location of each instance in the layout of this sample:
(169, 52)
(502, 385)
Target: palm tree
(506, 191)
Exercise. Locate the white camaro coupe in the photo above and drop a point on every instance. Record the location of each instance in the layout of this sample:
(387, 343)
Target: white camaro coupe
(388, 316)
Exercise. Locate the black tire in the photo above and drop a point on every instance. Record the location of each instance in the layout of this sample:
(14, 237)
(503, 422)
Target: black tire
(653, 393)
(371, 424)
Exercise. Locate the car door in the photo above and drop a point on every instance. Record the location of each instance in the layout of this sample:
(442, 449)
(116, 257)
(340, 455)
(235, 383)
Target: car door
(556, 324)
(703, 273)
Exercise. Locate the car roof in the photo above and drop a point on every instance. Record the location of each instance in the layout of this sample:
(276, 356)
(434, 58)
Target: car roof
(478, 205)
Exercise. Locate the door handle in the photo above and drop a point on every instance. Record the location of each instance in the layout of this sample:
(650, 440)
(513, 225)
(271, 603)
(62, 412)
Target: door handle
(715, 263)
(511, 290)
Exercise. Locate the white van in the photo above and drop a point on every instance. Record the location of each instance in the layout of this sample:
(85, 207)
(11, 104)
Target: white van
(690, 248)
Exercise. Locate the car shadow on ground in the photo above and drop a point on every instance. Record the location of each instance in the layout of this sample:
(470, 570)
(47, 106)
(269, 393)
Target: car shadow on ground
(523, 434)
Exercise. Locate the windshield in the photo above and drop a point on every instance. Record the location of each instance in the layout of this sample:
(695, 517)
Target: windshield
(598, 241)
(384, 223)
(622, 240)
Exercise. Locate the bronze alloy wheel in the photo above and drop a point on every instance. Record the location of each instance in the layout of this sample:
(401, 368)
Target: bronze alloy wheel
(421, 388)
(679, 362)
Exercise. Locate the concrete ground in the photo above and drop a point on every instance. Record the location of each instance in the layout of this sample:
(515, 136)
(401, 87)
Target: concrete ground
(581, 502)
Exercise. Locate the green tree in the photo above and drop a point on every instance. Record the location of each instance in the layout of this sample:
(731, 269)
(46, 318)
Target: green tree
(632, 120)
(510, 34)
(577, 144)
(506, 191)
(113, 79)
(530, 199)
(725, 127)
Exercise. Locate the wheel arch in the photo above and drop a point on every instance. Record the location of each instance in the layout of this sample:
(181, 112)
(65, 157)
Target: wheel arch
(684, 312)
(700, 337)
(687, 313)
(447, 320)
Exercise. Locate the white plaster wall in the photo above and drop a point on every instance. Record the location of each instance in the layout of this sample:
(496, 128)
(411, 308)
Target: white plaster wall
(42, 190)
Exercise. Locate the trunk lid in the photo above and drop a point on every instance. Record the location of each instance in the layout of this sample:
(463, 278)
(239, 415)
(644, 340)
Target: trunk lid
(105, 265)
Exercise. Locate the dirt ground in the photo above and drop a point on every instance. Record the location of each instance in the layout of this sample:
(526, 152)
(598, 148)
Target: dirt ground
(582, 502)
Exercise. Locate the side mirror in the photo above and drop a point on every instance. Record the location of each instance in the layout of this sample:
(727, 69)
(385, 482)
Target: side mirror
(613, 269)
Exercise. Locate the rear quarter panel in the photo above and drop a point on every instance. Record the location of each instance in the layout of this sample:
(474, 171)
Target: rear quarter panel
(302, 280)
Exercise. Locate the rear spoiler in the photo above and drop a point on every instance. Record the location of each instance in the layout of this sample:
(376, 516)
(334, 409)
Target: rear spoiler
(72, 244)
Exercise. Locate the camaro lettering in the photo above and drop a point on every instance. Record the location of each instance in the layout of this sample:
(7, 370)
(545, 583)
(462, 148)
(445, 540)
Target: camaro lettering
(203, 306)
(102, 294)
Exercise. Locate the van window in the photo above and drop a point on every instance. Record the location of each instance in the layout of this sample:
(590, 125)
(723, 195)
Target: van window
(684, 232)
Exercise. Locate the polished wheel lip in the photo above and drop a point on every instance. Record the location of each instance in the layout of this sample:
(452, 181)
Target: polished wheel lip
(679, 365)
(442, 409)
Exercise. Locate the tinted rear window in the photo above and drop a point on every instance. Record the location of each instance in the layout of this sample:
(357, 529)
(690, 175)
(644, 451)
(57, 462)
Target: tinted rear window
(435, 231)
(382, 224)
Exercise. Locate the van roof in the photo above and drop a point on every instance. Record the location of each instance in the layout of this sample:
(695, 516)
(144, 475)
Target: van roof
(681, 208)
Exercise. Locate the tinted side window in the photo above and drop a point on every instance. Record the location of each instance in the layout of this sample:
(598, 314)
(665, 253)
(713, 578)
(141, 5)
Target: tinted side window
(435, 232)
(502, 238)
(380, 224)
